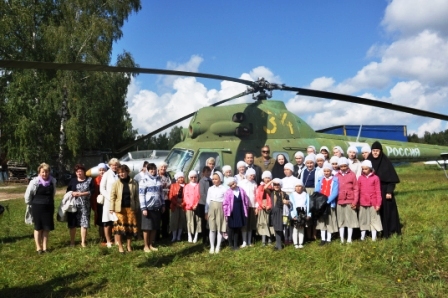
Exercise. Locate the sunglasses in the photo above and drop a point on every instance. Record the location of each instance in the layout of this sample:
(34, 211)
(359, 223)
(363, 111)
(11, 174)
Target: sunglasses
(265, 151)
(275, 184)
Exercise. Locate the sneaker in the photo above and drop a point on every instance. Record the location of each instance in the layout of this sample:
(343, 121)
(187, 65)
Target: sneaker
(212, 250)
(300, 246)
(322, 243)
(153, 249)
(244, 245)
(296, 246)
(109, 244)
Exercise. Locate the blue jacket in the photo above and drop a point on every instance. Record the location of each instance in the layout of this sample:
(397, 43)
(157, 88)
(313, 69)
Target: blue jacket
(333, 191)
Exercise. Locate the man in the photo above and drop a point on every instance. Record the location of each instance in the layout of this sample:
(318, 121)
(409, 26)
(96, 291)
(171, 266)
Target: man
(265, 161)
(249, 160)
(300, 165)
(166, 180)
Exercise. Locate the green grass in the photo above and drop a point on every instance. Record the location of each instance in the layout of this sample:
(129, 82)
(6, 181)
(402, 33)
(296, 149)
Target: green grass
(414, 265)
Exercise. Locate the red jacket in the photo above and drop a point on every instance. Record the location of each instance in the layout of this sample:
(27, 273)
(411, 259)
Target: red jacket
(369, 190)
(261, 194)
(172, 196)
(348, 188)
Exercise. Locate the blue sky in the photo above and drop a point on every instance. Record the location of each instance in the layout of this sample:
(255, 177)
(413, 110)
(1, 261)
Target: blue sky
(396, 51)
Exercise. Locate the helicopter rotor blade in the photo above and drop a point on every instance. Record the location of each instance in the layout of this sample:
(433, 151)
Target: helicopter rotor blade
(107, 68)
(160, 129)
(364, 101)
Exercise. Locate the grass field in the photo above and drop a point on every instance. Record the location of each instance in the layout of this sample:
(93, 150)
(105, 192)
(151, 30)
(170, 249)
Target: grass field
(413, 265)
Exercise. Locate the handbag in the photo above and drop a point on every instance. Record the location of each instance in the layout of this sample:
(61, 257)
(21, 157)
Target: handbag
(318, 204)
(100, 199)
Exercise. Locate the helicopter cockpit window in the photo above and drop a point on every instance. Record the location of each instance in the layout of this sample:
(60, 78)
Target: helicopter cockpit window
(202, 158)
(179, 159)
(238, 117)
(274, 155)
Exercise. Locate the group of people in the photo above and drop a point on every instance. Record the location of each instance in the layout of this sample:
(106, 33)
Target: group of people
(265, 196)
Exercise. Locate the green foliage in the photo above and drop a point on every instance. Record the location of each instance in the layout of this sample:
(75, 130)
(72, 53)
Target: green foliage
(435, 138)
(162, 141)
(31, 100)
(413, 265)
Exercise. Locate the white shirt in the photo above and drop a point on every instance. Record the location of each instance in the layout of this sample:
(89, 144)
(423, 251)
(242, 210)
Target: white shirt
(289, 184)
(215, 194)
(250, 188)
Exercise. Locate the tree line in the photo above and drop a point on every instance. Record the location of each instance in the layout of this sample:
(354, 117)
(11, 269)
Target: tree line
(434, 138)
(48, 115)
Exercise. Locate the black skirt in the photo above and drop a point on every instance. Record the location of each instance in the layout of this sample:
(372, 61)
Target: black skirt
(152, 220)
(43, 217)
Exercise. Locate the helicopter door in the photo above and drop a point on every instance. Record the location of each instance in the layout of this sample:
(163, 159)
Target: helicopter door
(202, 157)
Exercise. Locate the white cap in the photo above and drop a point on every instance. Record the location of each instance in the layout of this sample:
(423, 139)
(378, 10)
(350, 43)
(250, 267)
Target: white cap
(266, 174)
(342, 161)
(230, 180)
(278, 181)
(366, 163)
(299, 153)
(327, 165)
(324, 147)
(241, 164)
(249, 172)
(339, 148)
(178, 175)
(219, 174)
(353, 149)
(366, 148)
(299, 182)
(334, 159)
(320, 156)
(311, 157)
(311, 146)
(289, 166)
(192, 174)
(226, 168)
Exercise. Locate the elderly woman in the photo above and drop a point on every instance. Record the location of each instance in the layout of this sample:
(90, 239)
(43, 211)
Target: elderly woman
(81, 188)
(165, 178)
(40, 195)
(97, 207)
(211, 163)
(107, 181)
(176, 195)
(278, 198)
(124, 201)
(152, 206)
(388, 178)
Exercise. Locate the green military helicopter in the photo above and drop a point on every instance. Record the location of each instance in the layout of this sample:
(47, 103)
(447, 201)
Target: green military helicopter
(228, 132)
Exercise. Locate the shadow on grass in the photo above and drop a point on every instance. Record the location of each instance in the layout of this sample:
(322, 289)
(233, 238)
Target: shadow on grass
(165, 260)
(58, 287)
(9, 239)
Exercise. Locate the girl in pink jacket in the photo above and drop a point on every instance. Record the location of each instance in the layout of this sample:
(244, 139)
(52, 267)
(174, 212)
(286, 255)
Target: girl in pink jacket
(348, 196)
(369, 200)
(191, 201)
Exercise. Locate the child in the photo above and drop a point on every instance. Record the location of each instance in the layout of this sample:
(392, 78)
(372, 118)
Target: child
(191, 200)
(337, 151)
(354, 163)
(370, 201)
(365, 151)
(348, 197)
(308, 179)
(176, 195)
(227, 173)
(250, 186)
(299, 213)
(235, 208)
(241, 167)
(204, 184)
(264, 207)
(329, 186)
(278, 199)
(326, 152)
(320, 159)
(214, 213)
(334, 164)
(288, 186)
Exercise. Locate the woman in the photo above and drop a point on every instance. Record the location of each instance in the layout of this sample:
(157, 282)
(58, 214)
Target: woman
(81, 188)
(278, 170)
(152, 206)
(235, 207)
(388, 177)
(96, 207)
(124, 202)
(165, 178)
(105, 187)
(211, 163)
(264, 208)
(40, 195)
(176, 195)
